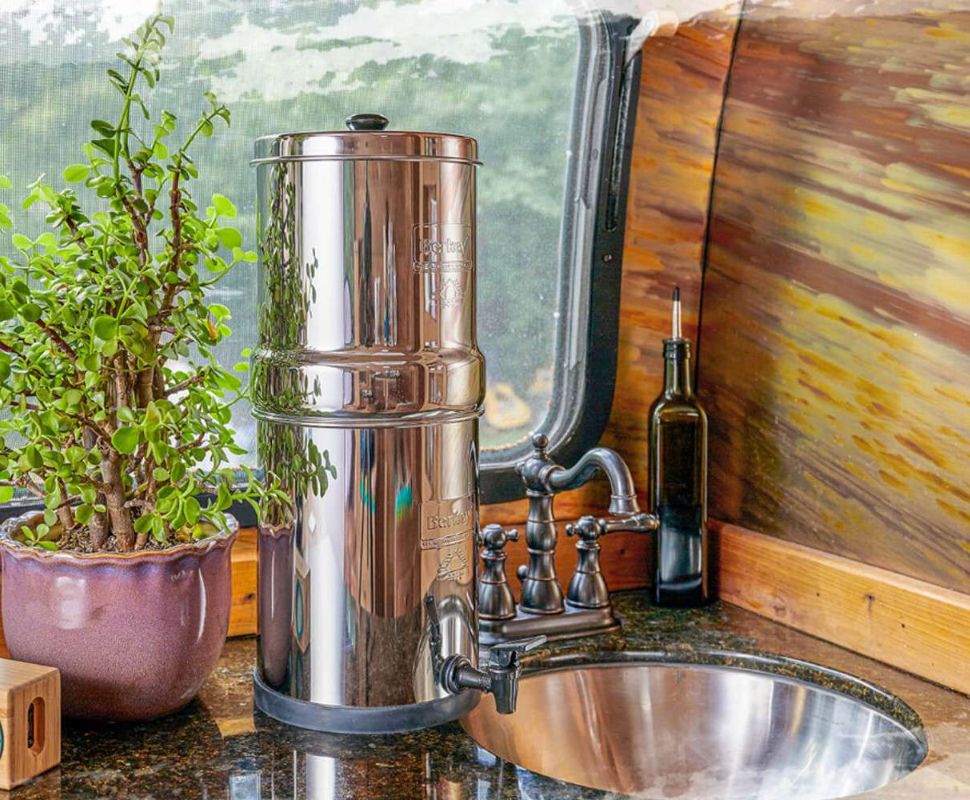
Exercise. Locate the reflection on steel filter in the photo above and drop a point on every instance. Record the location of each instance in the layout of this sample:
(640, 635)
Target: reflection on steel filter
(367, 385)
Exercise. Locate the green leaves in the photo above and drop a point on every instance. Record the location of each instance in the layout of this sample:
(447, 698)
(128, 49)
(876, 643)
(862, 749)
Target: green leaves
(229, 237)
(104, 129)
(109, 387)
(248, 256)
(144, 523)
(191, 509)
(76, 172)
(35, 536)
(21, 242)
(106, 146)
(223, 206)
(105, 328)
(125, 440)
(168, 122)
(219, 312)
(4, 211)
(84, 514)
(72, 399)
(30, 312)
(31, 458)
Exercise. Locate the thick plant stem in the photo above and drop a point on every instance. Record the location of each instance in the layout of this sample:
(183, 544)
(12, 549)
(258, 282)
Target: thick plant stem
(144, 386)
(98, 530)
(64, 514)
(143, 391)
(114, 496)
(66, 518)
(98, 526)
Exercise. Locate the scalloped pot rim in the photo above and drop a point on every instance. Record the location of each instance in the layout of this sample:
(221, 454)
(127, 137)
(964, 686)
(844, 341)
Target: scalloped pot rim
(201, 547)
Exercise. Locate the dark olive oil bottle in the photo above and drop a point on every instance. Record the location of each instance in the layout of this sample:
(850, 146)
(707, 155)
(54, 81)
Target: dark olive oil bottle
(678, 480)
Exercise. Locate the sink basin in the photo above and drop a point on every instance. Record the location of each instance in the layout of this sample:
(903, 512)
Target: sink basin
(703, 732)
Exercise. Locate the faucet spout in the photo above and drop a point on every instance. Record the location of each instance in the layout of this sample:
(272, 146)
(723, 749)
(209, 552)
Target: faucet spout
(456, 673)
(623, 496)
(500, 677)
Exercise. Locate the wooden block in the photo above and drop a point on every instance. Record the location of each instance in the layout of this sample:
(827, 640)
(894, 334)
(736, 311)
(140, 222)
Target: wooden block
(242, 613)
(902, 621)
(30, 721)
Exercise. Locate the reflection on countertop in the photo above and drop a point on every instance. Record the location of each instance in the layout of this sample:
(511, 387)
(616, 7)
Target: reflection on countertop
(216, 748)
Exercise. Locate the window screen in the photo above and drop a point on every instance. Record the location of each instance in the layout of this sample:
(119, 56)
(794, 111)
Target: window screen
(503, 72)
(535, 81)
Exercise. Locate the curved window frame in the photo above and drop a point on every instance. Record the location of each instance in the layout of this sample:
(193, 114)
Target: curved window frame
(591, 244)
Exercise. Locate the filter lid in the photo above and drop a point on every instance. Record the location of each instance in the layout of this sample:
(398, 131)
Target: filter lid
(366, 139)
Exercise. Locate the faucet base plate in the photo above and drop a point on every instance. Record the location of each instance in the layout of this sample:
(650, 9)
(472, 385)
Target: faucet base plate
(572, 623)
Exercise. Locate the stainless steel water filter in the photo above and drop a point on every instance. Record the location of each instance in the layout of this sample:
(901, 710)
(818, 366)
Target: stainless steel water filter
(367, 386)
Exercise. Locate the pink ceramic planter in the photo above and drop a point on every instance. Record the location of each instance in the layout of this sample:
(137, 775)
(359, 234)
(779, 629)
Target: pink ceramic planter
(134, 635)
(275, 597)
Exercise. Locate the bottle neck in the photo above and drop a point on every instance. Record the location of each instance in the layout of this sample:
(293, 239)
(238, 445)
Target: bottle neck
(677, 381)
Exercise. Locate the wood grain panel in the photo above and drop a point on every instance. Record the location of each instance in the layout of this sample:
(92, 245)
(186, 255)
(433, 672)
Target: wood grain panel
(836, 338)
(681, 94)
(910, 624)
(243, 612)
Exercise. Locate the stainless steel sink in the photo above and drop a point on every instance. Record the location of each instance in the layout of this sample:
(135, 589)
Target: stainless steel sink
(703, 732)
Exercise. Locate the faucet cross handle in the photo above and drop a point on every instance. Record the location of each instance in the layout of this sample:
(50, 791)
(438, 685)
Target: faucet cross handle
(495, 598)
(587, 588)
(589, 529)
(494, 538)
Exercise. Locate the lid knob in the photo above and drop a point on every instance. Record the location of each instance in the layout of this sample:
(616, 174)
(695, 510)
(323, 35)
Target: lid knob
(366, 122)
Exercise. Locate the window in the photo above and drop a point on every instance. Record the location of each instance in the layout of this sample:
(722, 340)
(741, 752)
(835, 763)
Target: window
(539, 86)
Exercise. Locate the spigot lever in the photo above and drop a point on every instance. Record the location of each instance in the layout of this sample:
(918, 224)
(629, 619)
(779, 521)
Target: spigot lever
(456, 672)
(506, 654)
(500, 676)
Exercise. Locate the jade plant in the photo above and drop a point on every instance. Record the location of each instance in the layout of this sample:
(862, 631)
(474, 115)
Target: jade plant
(116, 411)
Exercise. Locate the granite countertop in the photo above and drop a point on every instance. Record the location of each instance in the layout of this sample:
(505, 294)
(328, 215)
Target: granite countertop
(217, 748)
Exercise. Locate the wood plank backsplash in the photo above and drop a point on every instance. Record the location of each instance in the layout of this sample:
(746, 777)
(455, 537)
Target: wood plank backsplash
(835, 350)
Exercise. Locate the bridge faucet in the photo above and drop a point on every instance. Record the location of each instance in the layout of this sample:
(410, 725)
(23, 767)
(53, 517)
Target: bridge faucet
(542, 608)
